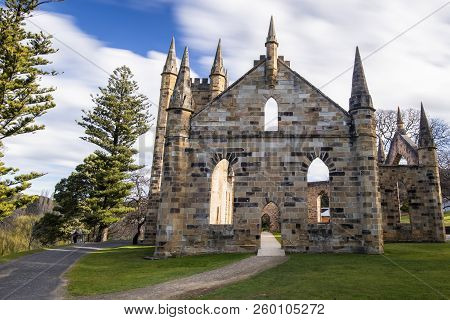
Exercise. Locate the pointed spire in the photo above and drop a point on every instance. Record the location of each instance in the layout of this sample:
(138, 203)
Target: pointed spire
(271, 56)
(171, 61)
(226, 78)
(182, 95)
(381, 155)
(185, 59)
(360, 96)
(400, 124)
(217, 68)
(425, 136)
(271, 36)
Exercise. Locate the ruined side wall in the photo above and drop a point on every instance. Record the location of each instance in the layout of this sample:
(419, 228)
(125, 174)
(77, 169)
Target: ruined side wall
(425, 210)
(402, 146)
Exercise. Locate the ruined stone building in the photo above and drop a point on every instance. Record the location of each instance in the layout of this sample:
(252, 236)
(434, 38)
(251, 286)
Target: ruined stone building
(222, 164)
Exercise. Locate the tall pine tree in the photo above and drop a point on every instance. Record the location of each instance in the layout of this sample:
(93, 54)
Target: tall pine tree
(22, 98)
(119, 117)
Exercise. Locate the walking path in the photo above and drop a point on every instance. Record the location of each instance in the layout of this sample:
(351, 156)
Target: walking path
(39, 275)
(198, 283)
(270, 247)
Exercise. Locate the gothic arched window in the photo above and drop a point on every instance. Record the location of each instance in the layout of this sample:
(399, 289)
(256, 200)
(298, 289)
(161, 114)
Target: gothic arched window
(271, 115)
(318, 178)
(221, 204)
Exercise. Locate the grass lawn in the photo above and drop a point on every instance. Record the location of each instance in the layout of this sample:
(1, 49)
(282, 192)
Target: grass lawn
(404, 218)
(277, 236)
(17, 255)
(447, 218)
(352, 276)
(124, 268)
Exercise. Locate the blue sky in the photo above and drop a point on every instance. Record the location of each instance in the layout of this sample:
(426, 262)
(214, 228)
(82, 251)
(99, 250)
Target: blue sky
(138, 26)
(118, 25)
(318, 37)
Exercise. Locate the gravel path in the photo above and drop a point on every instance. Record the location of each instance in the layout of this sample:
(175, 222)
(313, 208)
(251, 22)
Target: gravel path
(38, 276)
(198, 283)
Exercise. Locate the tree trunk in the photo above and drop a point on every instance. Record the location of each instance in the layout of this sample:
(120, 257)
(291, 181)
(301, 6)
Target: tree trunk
(105, 234)
(137, 235)
(102, 234)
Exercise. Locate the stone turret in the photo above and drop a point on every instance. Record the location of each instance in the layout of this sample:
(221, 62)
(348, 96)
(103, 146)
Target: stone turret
(171, 213)
(181, 104)
(432, 195)
(426, 145)
(170, 67)
(365, 153)
(218, 74)
(168, 79)
(400, 124)
(271, 55)
(425, 137)
(360, 102)
(360, 96)
(381, 156)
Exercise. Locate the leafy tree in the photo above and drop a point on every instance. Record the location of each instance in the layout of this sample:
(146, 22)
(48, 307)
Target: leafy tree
(22, 98)
(120, 115)
(70, 198)
(106, 201)
(95, 195)
(11, 187)
(50, 229)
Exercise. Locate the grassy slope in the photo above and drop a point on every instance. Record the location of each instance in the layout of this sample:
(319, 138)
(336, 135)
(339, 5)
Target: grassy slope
(352, 276)
(17, 255)
(124, 268)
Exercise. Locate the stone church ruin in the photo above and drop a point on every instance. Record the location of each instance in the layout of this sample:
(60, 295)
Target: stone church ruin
(229, 158)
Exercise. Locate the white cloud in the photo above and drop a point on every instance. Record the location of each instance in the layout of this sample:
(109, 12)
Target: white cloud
(58, 149)
(319, 38)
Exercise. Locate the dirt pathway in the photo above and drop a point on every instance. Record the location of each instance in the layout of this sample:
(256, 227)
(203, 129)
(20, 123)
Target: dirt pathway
(199, 283)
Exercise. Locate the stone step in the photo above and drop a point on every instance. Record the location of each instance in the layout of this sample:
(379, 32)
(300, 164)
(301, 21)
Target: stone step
(271, 252)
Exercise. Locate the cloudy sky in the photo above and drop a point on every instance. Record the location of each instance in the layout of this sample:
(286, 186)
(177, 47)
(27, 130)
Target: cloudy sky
(318, 37)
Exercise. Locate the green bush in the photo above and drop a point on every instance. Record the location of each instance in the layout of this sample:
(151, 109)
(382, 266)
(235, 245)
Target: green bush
(16, 234)
(50, 229)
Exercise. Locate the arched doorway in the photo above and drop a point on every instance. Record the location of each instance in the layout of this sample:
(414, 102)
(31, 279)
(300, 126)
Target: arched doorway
(222, 194)
(270, 219)
(270, 244)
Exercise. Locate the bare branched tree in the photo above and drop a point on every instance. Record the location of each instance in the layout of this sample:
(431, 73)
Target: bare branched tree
(387, 124)
(138, 199)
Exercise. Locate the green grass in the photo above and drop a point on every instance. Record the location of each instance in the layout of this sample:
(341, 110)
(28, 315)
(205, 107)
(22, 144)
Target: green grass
(17, 255)
(447, 218)
(352, 276)
(119, 269)
(277, 236)
(405, 218)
